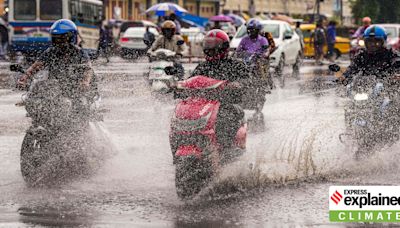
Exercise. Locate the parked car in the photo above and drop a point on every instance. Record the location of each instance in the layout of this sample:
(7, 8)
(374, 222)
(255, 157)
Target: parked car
(132, 42)
(393, 32)
(288, 50)
(134, 24)
(342, 45)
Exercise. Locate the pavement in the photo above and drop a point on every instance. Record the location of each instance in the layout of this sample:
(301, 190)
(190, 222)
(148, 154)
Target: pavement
(282, 180)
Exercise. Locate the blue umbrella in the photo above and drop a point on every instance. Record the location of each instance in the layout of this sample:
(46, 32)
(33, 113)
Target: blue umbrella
(161, 8)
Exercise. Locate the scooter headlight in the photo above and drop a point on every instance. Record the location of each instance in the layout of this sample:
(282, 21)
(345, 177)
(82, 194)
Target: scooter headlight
(361, 43)
(190, 125)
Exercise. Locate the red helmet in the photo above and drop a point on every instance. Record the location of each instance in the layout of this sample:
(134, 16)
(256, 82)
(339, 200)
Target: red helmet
(216, 45)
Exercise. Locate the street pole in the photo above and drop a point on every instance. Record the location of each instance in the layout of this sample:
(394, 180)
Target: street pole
(341, 12)
(252, 9)
(318, 11)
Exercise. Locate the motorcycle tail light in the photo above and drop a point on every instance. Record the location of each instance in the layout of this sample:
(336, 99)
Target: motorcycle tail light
(124, 39)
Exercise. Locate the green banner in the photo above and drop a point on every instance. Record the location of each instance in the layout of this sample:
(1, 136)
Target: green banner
(364, 216)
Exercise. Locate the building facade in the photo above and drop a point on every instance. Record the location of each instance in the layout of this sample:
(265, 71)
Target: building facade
(126, 9)
(135, 9)
(296, 8)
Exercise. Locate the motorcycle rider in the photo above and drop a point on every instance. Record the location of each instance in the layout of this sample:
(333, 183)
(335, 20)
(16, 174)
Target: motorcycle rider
(253, 43)
(169, 40)
(220, 66)
(60, 58)
(256, 44)
(360, 31)
(376, 59)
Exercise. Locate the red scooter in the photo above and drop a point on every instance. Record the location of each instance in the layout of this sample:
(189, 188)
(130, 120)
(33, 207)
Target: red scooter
(196, 152)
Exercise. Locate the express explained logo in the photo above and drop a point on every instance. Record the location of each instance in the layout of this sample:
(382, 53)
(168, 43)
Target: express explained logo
(364, 203)
(336, 197)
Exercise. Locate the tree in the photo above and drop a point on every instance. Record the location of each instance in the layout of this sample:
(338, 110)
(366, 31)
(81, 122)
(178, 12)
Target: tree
(380, 11)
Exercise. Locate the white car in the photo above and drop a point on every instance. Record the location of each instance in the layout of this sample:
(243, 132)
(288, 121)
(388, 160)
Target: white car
(393, 33)
(288, 50)
(132, 43)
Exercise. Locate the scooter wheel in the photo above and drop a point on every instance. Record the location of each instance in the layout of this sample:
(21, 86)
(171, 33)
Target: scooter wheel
(191, 176)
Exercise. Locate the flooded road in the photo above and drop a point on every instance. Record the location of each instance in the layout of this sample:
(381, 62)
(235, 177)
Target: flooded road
(283, 179)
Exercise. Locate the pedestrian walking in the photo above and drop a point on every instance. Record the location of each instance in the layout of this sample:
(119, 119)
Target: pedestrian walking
(318, 39)
(331, 40)
(105, 42)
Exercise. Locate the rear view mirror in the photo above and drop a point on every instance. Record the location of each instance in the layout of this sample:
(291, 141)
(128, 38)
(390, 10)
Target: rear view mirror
(334, 68)
(16, 68)
(170, 70)
(288, 36)
(180, 42)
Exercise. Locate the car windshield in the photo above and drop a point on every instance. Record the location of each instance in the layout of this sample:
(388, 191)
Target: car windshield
(24, 10)
(50, 9)
(271, 28)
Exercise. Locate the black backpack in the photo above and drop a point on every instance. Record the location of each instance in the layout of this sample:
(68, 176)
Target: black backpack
(319, 36)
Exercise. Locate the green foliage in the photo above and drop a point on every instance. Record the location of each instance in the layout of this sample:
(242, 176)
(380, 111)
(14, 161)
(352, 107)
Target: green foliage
(380, 11)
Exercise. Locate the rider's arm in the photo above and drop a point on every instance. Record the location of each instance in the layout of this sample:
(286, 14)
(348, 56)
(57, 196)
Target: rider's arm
(201, 69)
(157, 44)
(34, 68)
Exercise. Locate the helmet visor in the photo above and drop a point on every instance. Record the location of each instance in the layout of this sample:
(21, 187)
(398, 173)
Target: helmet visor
(213, 43)
(60, 38)
(374, 44)
(168, 32)
(252, 31)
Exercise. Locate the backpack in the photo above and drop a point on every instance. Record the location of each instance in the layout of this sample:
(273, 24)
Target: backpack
(319, 36)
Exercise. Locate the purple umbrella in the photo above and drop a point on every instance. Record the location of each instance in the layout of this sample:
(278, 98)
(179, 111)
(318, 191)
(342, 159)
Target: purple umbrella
(237, 20)
(221, 18)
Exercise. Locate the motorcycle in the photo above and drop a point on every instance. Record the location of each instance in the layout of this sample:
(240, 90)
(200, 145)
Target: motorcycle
(254, 98)
(196, 153)
(370, 116)
(54, 146)
(158, 79)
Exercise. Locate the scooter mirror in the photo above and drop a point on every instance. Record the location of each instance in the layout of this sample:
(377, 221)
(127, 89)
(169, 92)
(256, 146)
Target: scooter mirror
(180, 42)
(334, 68)
(16, 68)
(170, 70)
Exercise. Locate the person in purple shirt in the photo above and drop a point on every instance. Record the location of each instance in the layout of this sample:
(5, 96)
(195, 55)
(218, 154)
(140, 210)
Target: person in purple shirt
(250, 45)
(253, 43)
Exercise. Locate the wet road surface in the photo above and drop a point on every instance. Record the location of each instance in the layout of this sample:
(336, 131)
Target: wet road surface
(283, 179)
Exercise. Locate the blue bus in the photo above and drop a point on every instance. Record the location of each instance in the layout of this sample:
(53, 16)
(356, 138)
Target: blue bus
(30, 22)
